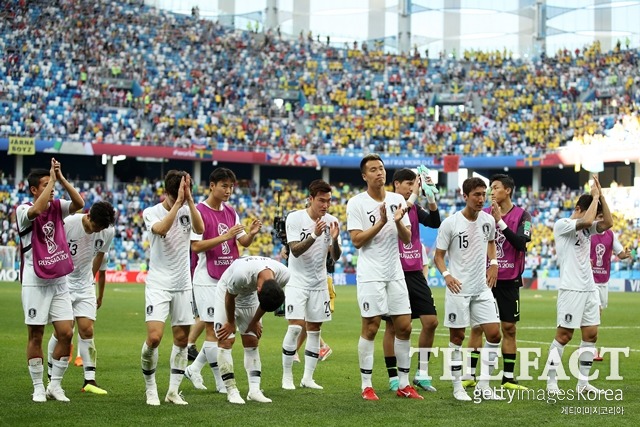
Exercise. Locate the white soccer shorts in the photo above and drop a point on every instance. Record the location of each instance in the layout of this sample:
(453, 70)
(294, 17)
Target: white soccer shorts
(46, 304)
(205, 298)
(303, 304)
(83, 301)
(577, 309)
(603, 293)
(383, 298)
(461, 311)
(161, 304)
(243, 318)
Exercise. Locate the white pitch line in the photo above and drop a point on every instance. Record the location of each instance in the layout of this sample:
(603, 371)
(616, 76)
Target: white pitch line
(547, 343)
(599, 327)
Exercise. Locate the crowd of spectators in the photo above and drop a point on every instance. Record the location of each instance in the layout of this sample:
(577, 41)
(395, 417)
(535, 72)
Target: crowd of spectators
(112, 72)
(130, 247)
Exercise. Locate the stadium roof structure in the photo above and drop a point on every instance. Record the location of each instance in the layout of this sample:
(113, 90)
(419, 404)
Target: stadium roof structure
(524, 27)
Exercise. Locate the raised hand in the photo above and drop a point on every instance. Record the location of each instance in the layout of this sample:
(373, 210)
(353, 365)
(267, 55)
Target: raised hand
(181, 196)
(255, 227)
(496, 211)
(334, 230)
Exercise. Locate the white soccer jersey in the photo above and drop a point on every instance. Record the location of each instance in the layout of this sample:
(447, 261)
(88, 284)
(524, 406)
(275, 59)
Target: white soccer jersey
(574, 248)
(617, 246)
(466, 245)
(309, 270)
(379, 259)
(84, 247)
(29, 277)
(241, 277)
(201, 275)
(169, 255)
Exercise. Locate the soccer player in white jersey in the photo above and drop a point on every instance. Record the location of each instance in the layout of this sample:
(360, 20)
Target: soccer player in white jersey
(45, 300)
(468, 237)
(578, 300)
(249, 288)
(311, 233)
(168, 288)
(375, 220)
(216, 249)
(89, 237)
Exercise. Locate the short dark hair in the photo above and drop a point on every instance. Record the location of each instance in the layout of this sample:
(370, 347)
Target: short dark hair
(102, 214)
(506, 180)
(319, 186)
(222, 174)
(368, 158)
(271, 296)
(404, 174)
(172, 182)
(35, 176)
(470, 184)
(585, 201)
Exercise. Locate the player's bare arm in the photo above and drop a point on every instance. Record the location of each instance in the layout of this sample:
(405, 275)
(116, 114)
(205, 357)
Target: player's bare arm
(41, 203)
(492, 271)
(359, 238)
(77, 202)
(197, 224)
(298, 248)
(230, 308)
(452, 283)
(254, 229)
(404, 231)
(335, 250)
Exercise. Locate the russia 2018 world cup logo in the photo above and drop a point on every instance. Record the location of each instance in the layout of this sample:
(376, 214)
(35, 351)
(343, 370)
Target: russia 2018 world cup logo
(600, 250)
(222, 229)
(49, 231)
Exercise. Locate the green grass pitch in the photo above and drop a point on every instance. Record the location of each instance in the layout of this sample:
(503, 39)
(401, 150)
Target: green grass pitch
(120, 331)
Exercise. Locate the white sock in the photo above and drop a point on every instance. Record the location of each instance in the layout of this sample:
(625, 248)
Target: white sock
(88, 354)
(402, 349)
(58, 370)
(289, 345)
(51, 346)
(210, 349)
(35, 370)
(200, 361)
(149, 363)
(178, 364)
(488, 359)
(553, 380)
(586, 360)
(365, 356)
(423, 365)
(253, 366)
(456, 366)
(311, 354)
(225, 362)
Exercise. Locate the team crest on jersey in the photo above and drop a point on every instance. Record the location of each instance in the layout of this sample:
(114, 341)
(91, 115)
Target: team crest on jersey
(98, 244)
(32, 313)
(452, 317)
(568, 317)
(365, 306)
(210, 311)
(290, 308)
(149, 310)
